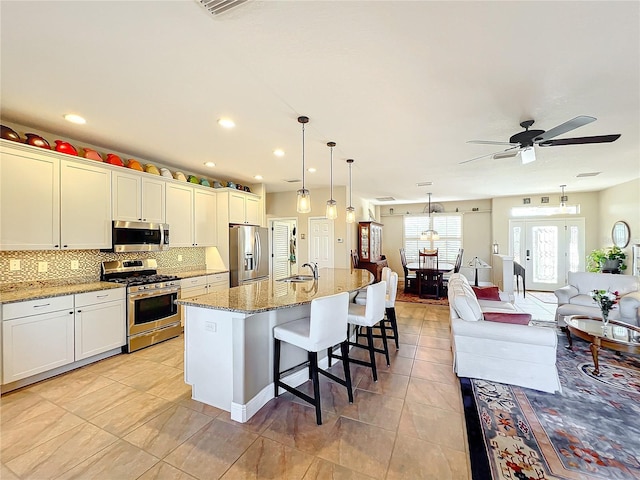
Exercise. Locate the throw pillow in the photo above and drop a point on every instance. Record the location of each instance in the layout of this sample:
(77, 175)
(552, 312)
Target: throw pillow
(515, 318)
(487, 293)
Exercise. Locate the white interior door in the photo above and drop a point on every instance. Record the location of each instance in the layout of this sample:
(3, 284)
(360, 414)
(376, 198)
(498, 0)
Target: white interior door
(547, 249)
(283, 248)
(321, 242)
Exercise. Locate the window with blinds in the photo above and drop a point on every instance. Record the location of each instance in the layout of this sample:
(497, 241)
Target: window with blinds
(449, 228)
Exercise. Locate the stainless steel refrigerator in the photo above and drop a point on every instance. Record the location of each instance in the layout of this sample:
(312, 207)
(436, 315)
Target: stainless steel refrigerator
(248, 254)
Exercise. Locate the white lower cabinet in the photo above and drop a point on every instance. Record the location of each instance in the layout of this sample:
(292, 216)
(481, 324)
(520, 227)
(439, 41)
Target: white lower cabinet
(42, 335)
(193, 286)
(217, 282)
(39, 342)
(100, 323)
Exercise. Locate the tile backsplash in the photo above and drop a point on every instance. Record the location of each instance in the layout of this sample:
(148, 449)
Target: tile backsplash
(58, 263)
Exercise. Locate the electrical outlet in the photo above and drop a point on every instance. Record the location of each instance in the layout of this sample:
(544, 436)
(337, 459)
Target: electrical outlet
(75, 265)
(14, 265)
(42, 267)
(179, 258)
(210, 326)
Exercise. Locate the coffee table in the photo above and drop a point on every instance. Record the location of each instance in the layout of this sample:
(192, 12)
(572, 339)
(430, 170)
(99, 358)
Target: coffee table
(617, 336)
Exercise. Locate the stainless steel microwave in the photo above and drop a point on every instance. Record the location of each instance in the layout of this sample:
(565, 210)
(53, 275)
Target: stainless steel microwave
(140, 236)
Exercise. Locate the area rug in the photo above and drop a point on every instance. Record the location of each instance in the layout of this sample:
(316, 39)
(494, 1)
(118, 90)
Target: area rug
(589, 432)
(545, 297)
(414, 298)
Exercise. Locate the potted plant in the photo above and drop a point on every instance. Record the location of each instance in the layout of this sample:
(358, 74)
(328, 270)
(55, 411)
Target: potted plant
(609, 258)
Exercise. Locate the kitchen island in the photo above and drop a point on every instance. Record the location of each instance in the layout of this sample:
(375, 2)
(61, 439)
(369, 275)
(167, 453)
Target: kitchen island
(229, 337)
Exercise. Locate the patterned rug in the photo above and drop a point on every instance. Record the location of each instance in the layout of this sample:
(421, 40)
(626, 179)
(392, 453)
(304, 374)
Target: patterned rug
(414, 298)
(590, 431)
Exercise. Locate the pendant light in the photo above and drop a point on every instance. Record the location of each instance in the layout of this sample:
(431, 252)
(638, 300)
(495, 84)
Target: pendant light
(429, 234)
(304, 198)
(332, 206)
(351, 212)
(563, 201)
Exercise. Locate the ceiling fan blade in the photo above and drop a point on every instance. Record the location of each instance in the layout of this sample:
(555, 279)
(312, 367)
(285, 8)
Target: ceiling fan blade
(488, 155)
(580, 140)
(565, 127)
(489, 142)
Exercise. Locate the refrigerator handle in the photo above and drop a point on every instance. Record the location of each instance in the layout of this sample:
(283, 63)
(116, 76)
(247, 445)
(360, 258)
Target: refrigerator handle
(258, 248)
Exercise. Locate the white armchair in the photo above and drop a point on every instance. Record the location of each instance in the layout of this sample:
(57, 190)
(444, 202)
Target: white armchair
(575, 298)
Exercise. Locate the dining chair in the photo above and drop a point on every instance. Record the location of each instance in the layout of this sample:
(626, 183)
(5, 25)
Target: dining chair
(456, 269)
(519, 272)
(355, 259)
(410, 278)
(429, 275)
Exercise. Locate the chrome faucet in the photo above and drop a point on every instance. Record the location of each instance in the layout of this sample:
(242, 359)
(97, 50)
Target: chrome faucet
(314, 269)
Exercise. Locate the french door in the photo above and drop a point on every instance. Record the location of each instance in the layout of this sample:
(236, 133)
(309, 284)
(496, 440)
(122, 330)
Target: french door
(547, 249)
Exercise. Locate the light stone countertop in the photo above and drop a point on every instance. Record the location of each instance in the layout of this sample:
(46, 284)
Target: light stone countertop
(20, 292)
(273, 295)
(189, 273)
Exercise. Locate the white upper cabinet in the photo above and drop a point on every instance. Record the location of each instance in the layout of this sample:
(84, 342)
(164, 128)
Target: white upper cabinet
(29, 201)
(204, 218)
(244, 209)
(179, 212)
(138, 199)
(85, 206)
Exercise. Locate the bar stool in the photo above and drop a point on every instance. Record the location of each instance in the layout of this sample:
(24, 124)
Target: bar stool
(361, 296)
(325, 327)
(390, 322)
(367, 316)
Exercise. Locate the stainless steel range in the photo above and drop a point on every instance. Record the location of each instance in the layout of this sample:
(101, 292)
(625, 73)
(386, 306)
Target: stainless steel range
(152, 315)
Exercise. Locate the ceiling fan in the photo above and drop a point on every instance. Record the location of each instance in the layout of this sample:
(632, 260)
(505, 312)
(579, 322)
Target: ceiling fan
(522, 143)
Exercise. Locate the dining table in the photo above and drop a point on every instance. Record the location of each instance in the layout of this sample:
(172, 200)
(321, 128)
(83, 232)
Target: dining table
(443, 267)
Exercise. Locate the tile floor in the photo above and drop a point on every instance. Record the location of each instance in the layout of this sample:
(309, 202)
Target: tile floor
(131, 417)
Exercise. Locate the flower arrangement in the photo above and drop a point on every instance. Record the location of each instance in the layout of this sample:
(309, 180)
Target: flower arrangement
(606, 301)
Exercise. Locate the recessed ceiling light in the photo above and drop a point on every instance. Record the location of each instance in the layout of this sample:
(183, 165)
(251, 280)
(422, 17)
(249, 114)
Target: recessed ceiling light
(73, 118)
(209, 164)
(258, 177)
(226, 123)
(312, 170)
(278, 152)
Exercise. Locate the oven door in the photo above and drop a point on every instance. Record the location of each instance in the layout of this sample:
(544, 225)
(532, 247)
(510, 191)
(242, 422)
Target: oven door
(153, 309)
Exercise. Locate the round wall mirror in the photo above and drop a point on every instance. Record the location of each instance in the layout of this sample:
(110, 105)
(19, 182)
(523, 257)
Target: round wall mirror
(620, 234)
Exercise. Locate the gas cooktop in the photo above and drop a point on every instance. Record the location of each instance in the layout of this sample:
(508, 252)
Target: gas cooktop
(133, 272)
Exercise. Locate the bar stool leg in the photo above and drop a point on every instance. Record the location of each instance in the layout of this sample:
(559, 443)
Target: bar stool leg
(276, 366)
(344, 349)
(372, 354)
(313, 374)
(391, 315)
(383, 332)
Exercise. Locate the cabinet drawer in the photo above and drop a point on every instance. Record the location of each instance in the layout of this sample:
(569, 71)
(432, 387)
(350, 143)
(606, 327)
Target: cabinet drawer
(193, 291)
(36, 307)
(193, 282)
(100, 296)
(218, 279)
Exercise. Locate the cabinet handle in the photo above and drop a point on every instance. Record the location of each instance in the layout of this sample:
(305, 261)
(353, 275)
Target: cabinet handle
(79, 311)
(65, 246)
(70, 313)
(102, 296)
(41, 306)
(57, 246)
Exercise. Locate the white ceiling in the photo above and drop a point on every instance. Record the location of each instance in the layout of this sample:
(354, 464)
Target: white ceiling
(400, 86)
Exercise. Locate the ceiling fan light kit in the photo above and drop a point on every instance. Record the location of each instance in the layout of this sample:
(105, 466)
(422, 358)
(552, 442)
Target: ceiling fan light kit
(303, 204)
(523, 143)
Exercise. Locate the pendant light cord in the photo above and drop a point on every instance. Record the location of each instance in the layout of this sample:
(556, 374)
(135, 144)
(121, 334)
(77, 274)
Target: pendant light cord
(350, 184)
(303, 156)
(331, 173)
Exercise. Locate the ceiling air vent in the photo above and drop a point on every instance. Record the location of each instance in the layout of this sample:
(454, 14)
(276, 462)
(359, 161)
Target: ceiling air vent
(385, 199)
(218, 7)
(588, 174)
(295, 180)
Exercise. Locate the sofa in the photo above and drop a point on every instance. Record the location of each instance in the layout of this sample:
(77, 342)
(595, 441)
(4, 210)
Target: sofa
(575, 298)
(515, 354)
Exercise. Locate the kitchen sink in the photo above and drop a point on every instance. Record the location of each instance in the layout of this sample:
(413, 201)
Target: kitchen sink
(296, 278)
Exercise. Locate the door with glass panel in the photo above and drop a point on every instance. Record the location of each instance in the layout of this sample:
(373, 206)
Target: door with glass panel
(547, 249)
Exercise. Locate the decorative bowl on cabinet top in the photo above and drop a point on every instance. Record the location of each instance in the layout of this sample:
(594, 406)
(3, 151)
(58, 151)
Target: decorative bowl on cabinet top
(65, 147)
(150, 168)
(37, 141)
(179, 176)
(10, 134)
(165, 172)
(91, 154)
(114, 159)
(204, 182)
(134, 165)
